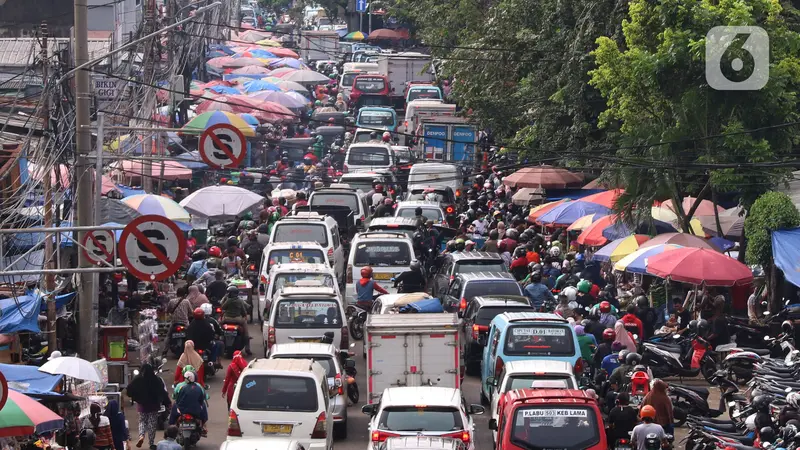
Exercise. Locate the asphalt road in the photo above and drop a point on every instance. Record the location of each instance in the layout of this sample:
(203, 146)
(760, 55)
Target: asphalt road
(357, 423)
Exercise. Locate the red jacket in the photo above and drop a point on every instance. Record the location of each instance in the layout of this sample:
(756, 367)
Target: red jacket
(231, 377)
(631, 318)
(519, 262)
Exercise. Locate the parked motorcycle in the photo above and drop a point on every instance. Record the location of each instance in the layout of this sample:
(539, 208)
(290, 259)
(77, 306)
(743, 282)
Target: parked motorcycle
(693, 400)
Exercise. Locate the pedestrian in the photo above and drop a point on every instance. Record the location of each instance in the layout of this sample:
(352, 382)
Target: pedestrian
(235, 368)
(623, 337)
(190, 357)
(659, 399)
(195, 297)
(119, 429)
(169, 441)
(101, 426)
(149, 392)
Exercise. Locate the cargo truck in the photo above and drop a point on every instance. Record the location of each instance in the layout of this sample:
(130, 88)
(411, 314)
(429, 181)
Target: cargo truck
(318, 45)
(401, 69)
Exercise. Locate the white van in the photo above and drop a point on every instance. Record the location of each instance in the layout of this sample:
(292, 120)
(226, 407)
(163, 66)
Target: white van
(433, 174)
(288, 275)
(305, 314)
(389, 254)
(285, 398)
(311, 227)
(368, 157)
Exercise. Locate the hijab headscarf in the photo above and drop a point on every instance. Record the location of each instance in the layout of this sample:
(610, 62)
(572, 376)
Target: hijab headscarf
(190, 357)
(195, 297)
(658, 399)
(146, 388)
(579, 330)
(239, 360)
(623, 337)
(117, 421)
(94, 414)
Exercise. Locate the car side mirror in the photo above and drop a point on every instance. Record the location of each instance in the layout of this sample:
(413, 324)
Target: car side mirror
(476, 410)
(350, 364)
(491, 381)
(368, 410)
(493, 424)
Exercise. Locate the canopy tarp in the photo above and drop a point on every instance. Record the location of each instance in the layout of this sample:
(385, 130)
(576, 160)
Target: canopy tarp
(786, 252)
(20, 314)
(29, 380)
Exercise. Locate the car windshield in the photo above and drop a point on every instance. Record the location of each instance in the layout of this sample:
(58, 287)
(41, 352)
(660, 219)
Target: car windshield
(492, 287)
(429, 213)
(480, 265)
(375, 118)
(335, 199)
(369, 84)
(277, 393)
(403, 155)
(362, 137)
(325, 361)
(487, 313)
(298, 255)
(301, 232)
(540, 427)
(304, 313)
(384, 253)
(283, 280)
(422, 418)
(424, 93)
(348, 78)
(368, 156)
(538, 382)
(540, 340)
(439, 196)
(363, 184)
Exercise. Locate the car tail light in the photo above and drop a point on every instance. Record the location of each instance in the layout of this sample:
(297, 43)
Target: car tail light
(252, 267)
(320, 430)
(263, 279)
(463, 304)
(452, 277)
(330, 255)
(271, 336)
(476, 331)
(579, 367)
(180, 328)
(405, 124)
(463, 435)
(200, 351)
(498, 367)
(345, 341)
(450, 210)
(338, 383)
(349, 274)
(233, 425)
(380, 436)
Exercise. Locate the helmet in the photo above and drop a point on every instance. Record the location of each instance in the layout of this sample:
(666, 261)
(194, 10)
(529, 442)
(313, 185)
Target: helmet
(623, 354)
(692, 326)
(199, 255)
(308, 161)
(198, 313)
(378, 188)
(190, 376)
(609, 334)
(318, 103)
(232, 291)
(633, 359)
(536, 277)
(647, 411)
(87, 438)
(584, 285)
(605, 307)
(366, 272)
(187, 368)
(232, 241)
(570, 292)
(642, 302)
(415, 265)
(386, 136)
(512, 234)
(702, 326)
(793, 399)
(555, 252)
(761, 402)
(215, 251)
(787, 327)
(750, 422)
(766, 434)
(207, 308)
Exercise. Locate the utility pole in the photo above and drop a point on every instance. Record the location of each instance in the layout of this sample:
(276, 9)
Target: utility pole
(149, 105)
(87, 288)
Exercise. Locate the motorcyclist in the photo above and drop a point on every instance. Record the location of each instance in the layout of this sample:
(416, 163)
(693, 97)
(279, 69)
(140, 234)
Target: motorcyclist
(619, 377)
(647, 315)
(377, 198)
(612, 361)
(538, 293)
(632, 322)
(607, 314)
(203, 334)
(384, 209)
(593, 326)
(180, 309)
(413, 280)
(604, 348)
(217, 288)
(234, 310)
(252, 248)
(418, 217)
(198, 267)
(585, 299)
(365, 288)
(519, 264)
(621, 419)
(190, 398)
(647, 428)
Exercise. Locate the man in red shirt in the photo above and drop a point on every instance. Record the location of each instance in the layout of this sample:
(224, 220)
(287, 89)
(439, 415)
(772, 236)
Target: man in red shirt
(630, 320)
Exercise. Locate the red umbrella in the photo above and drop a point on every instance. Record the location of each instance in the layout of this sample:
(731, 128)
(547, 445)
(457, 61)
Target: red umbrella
(384, 34)
(682, 239)
(403, 33)
(706, 207)
(281, 71)
(547, 177)
(283, 52)
(593, 234)
(220, 103)
(606, 198)
(273, 112)
(221, 61)
(699, 266)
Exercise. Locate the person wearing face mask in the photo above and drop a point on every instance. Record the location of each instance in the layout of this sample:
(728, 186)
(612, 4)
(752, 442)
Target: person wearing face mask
(481, 225)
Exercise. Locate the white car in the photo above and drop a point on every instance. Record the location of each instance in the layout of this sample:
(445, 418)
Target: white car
(430, 210)
(283, 399)
(265, 442)
(421, 410)
(310, 226)
(389, 254)
(305, 314)
(368, 157)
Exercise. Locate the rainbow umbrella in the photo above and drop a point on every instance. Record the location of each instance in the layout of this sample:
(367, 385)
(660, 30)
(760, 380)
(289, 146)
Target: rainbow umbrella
(636, 262)
(542, 209)
(205, 120)
(567, 213)
(355, 36)
(23, 416)
(620, 248)
(158, 205)
(583, 222)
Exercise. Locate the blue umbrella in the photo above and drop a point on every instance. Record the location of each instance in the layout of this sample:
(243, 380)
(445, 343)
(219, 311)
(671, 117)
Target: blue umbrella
(224, 48)
(227, 90)
(287, 62)
(252, 76)
(722, 243)
(251, 119)
(569, 212)
(620, 230)
(260, 85)
(342, 33)
(259, 53)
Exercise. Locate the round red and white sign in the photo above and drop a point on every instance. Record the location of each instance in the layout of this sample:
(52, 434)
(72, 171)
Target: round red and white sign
(222, 146)
(152, 247)
(98, 246)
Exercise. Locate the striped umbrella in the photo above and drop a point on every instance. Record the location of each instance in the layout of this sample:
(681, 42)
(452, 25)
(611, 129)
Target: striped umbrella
(583, 222)
(23, 416)
(542, 209)
(158, 205)
(355, 36)
(620, 248)
(199, 124)
(636, 262)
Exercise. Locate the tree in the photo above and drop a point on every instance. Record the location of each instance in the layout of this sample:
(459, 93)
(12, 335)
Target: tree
(677, 136)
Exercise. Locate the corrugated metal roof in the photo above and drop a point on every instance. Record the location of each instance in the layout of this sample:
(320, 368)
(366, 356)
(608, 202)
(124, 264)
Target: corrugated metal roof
(21, 51)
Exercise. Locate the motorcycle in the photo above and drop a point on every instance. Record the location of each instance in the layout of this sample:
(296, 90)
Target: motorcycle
(352, 388)
(190, 430)
(356, 318)
(177, 339)
(668, 360)
(211, 369)
(693, 400)
(234, 338)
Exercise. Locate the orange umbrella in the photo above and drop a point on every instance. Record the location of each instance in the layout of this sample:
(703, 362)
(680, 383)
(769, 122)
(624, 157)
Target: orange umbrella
(606, 198)
(593, 234)
(543, 209)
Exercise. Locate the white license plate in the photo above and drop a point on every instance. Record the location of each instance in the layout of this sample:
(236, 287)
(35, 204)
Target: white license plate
(230, 333)
(178, 335)
(187, 426)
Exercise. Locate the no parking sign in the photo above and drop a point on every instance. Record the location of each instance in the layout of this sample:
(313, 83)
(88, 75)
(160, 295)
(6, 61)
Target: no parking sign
(152, 247)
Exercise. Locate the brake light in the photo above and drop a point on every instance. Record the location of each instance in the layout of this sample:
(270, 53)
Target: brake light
(405, 124)
(349, 274)
(623, 441)
(458, 192)
(450, 210)
(380, 436)
(345, 341)
(320, 431)
(463, 435)
(338, 382)
(476, 331)
(200, 351)
(180, 328)
(229, 327)
(271, 336)
(218, 310)
(452, 277)
(252, 267)
(498, 367)
(263, 279)
(234, 429)
(330, 255)
(579, 367)
(463, 305)
(187, 417)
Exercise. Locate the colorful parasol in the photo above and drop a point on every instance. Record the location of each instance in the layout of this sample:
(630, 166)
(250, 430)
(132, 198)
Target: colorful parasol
(173, 170)
(255, 53)
(281, 98)
(251, 70)
(582, 222)
(287, 62)
(23, 416)
(567, 213)
(682, 239)
(637, 261)
(355, 36)
(706, 207)
(281, 52)
(158, 205)
(226, 90)
(606, 198)
(269, 43)
(258, 86)
(700, 266)
(620, 248)
(546, 177)
(542, 209)
(205, 120)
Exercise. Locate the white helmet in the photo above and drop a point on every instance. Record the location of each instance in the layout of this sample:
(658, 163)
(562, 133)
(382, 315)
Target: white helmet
(555, 252)
(793, 399)
(750, 422)
(571, 292)
(207, 308)
(190, 377)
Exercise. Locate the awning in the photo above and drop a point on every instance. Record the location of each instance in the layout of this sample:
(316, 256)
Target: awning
(20, 314)
(29, 380)
(786, 252)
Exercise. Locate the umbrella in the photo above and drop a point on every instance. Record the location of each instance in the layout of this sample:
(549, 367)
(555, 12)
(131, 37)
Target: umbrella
(281, 98)
(637, 261)
(280, 72)
(158, 205)
(23, 416)
(192, 160)
(270, 43)
(220, 103)
(273, 112)
(307, 77)
(112, 210)
(258, 86)
(583, 222)
(173, 170)
(383, 34)
(224, 201)
(253, 36)
(663, 214)
(542, 209)
(251, 119)
(547, 177)
(610, 228)
(722, 243)
(606, 198)
(291, 86)
(355, 36)
(244, 62)
(221, 61)
(525, 196)
(706, 207)
(251, 70)
(255, 53)
(283, 52)
(695, 226)
(569, 212)
(224, 48)
(299, 97)
(700, 266)
(682, 239)
(227, 90)
(287, 62)
(199, 124)
(72, 366)
(620, 248)
(215, 54)
(732, 226)
(342, 33)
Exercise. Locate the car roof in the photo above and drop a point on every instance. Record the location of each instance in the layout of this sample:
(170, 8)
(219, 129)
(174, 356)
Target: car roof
(293, 245)
(339, 188)
(501, 300)
(370, 144)
(548, 396)
(483, 276)
(301, 366)
(307, 291)
(301, 267)
(536, 365)
(420, 203)
(433, 165)
(423, 186)
(303, 348)
(389, 221)
(421, 395)
(461, 256)
(527, 316)
(371, 173)
(380, 235)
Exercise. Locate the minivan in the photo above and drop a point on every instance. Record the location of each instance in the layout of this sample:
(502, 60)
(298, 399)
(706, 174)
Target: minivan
(432, 174)
(292, 274)
(312, 227)
(389, 254)
(377, 118)
(305, 314)
(369, 156)
(371, 84)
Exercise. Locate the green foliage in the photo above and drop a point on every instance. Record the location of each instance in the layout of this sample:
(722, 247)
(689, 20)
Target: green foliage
(772, 211)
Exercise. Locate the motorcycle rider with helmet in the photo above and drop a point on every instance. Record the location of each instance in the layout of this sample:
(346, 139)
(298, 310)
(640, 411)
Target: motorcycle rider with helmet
(620, 375)
(234, 310)
(198, 267)
(365, 288)
(621, 419)
(202, 333)
(647, 315)
(647, 428)
(413, 280)
(190, 398)
(632, 321)
(537, 292)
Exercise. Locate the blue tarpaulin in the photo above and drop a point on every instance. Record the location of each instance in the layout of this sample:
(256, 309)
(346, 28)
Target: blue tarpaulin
(18, 315)
(786, 252)
(61, 300)
(29, 380)
(429, 305)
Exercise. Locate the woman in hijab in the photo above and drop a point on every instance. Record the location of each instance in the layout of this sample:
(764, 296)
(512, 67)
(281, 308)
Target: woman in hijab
(586, 343)
(623, 337)
(195, 297)
(190, 358)
(149, 392)
(235, 369)
(119, 430)
(97, 422)
(658, 399)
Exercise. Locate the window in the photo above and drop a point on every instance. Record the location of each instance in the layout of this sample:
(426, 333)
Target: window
(376, 118)
(493, 287)
(423, 418)
(540, 340)
(435, 195)
(308, 314)
(349, 200)
(369, 84)
(424, 93)
(480, 265)
(369, 156)
(286, 256)
(290, 279)
(360, 139)
(382, 253)
(554, 427)
(301, 232)
(325, 361)
(434, 214)
(277, 393)
(486, 314)
(403, 155)
(348, 78)
(495, 340)
(363, 184)
(335, 234)
(538, 382)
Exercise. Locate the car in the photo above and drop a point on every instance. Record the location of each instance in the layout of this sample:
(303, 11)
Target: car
(389, 254)
(439, 194)
(475, 324)
(468, 285)
(283, 398)
(515, 336)
(422, 442)
(421, 410)
(405, 225)
(289, 275)
(342, 195)
(405, 159)
(423, 92)
(363, 181)
(465, 262)
(362, 135)
(434, 174)
(431, 210)
(310, 226)
(377, 118)
(273, 443)
(549, 418)
(305, 314)
(368, 157)
(531, 375)
(330, 358)
(286, 253)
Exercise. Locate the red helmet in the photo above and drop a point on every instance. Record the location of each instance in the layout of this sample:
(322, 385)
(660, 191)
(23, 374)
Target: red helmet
(198, 313)
(609, 335)
(605, 307)
(215, 252)
(378, 188)
(386, 136)
(366, 272)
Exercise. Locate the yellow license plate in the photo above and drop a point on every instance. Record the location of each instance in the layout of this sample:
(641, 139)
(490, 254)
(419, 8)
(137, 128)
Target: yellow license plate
(270, 428)
(383, 276)
(308, 340)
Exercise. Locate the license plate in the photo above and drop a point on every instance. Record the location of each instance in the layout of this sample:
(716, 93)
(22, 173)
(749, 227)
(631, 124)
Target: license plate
(308, 340)
(383, 276)
(187, 426)
(276, 429)
(230, 333)
(178, 335)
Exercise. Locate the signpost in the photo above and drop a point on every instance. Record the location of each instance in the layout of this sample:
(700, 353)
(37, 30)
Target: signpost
(152, 247)
(108, 88)
(361, 6)
(98, 246)
(222, 146)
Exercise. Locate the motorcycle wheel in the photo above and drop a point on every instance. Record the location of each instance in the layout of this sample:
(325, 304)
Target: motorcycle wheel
(680, 413)
(708, 369)
(356, 329)
(352, 393)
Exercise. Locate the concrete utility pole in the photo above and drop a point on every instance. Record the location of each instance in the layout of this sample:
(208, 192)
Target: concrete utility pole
(149, 104)
(87, 287)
